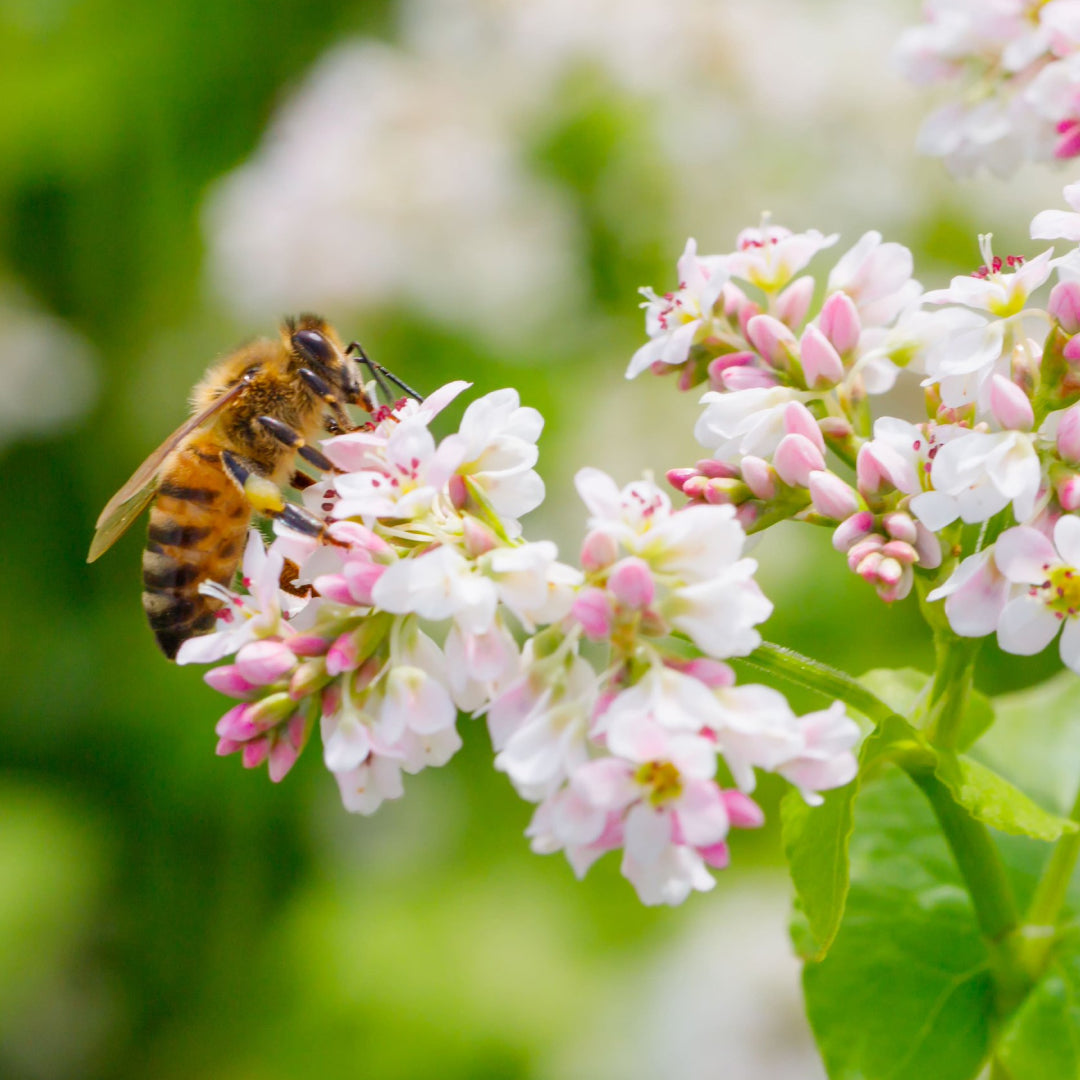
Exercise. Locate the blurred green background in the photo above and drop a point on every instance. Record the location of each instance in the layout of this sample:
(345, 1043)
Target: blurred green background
(474, 190)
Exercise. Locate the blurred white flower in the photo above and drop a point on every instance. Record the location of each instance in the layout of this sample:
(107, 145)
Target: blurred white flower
(48, 377)
(387, 180)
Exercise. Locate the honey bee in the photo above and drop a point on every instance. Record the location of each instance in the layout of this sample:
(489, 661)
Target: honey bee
(252, 413)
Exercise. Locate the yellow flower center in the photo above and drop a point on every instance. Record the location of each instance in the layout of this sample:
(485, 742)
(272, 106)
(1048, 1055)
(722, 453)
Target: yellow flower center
(663, 778)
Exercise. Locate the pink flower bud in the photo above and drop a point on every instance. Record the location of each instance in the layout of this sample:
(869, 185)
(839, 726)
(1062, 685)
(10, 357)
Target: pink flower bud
(867, 566)
(458, 491)
(799, 420)
(677, 477)
(889, 571)
(592, 609)
(1068, 435)
(796, 458)
(720, 492)
(334, 587)
(1067, 488)
(723, 363)
(226, 746)
(715, 674)
(773, 340)
(716, 855)
(835, 428)
(631, 583)
(853, 530)
(832, 498)
(743, 812)
(308, 645)
(878, 465)
(747, 378)
(791, 306)
(269, 711)
(361, 577)
(900, 526)
(746, 514)
(255, 753)
(599, 550)
(900, 551)
(342, 655)
(1010, 405)
(236, 726)
(759, 476)
(821, 363)
(228, 680)
(264, 662)
(839, 322)
(1072, 348)
(714, 469)
(286, 748)
(928, 546)
(735, 300)
(359, 537)
(694, 488)
(479, 539)
(1064, 305)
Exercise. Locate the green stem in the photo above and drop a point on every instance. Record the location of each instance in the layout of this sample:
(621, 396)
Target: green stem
(976, 856)
(1049, 896)
(828, 681)
(951, 688)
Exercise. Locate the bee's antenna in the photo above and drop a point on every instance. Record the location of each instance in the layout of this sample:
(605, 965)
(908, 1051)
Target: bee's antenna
(379, 373)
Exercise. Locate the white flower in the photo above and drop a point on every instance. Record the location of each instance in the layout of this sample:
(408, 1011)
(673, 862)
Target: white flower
(734, 425)
(977, 475)
(826, 760)
(770, 256)
(1059, 224)
(877, 277)
(1051, 601)
(676, 320)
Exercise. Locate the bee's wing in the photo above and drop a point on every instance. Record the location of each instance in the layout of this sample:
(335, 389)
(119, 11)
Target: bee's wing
(130, 501)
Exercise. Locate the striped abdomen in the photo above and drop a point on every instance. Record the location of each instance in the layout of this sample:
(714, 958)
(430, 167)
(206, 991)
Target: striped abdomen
(198, 527)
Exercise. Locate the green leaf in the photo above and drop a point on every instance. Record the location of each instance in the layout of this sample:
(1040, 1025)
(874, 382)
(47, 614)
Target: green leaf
(902, 689)
(1042, 1038)
(1035, 740)
(906, 989)
(996, 802)
(816, 841)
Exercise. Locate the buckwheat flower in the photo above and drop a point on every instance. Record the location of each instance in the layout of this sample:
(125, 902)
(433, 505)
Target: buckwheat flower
(877, 278)
(1002, 289)
(826, 759)
(1059, 224)
(770, 256)
(261, 613)
(747, 422)
(275, 735)
(975, 595)
(1051, 601)
(675, 321)
(977, 474)
(480, 663)
(1054, 94)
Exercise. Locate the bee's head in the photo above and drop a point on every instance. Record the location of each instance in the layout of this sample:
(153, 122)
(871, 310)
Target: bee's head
(313, 344)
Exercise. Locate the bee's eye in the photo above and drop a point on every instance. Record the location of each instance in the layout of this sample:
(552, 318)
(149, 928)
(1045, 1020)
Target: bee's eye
(313, 347)
(250, 373)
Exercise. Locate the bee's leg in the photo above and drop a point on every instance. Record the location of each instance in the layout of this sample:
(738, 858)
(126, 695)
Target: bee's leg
(266, 497)
(295, 441)
(380, 373)
(326, 392)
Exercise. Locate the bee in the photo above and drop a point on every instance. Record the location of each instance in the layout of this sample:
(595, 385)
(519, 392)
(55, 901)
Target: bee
(252, 413)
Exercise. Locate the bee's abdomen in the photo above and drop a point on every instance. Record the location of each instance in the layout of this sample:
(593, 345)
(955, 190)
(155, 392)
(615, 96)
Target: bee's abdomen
(198, 527)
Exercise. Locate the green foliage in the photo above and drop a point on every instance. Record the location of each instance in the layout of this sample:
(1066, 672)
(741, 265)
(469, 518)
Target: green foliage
(906, 990)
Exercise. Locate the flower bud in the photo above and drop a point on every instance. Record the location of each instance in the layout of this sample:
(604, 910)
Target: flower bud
(928, 547)
(821, 363)
(599, 550)
(867, 566)
(1072, 348)
(839, 322)
(228, 680)
(742, 811)
(677, 477)
(310, 676)
(773, 340)
(308, 645)
(791, 306)
(900, 551)
(286, 748)
(1064, 305)
(796, 457)
(799, 420)
(255, 753)
(1010, 405)
(1067, 488)
(715, 674)
(747, 378)
(343, 655)
(264, 662)
(900, 526)
(271, 710)
(333, 587)
(746, 514)
(760, 477)
(631, 583)
(236, 725)
(1068, 435)
(694, 488)
(479, 539)
(853, 530)
(359, 537)
(720, 491)
(592, 608)
(714, 469)
(832, 498)
(458, 491)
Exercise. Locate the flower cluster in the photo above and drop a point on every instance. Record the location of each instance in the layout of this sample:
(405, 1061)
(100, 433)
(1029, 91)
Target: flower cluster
(791, 437)
(1019, 63)
(410, 607)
